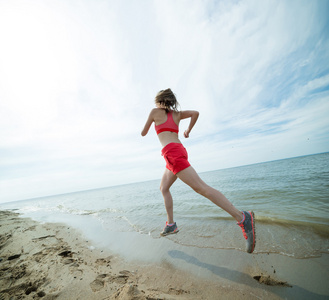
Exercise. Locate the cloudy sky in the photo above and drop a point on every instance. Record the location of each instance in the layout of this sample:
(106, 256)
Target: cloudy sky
(78, 79)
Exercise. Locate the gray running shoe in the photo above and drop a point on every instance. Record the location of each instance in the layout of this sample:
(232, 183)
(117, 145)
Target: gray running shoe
(248, 229)
(169, 229)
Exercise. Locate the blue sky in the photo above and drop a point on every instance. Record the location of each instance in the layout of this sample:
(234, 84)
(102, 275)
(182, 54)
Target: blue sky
(78, 78)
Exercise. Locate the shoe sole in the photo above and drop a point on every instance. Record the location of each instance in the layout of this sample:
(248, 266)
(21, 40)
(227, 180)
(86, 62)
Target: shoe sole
(253, 230)
(165, 234)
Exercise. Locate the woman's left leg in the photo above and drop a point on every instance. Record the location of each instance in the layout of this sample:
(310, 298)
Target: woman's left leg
(167, 181)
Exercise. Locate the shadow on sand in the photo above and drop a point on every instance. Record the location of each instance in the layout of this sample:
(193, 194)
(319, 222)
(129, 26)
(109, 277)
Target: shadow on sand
(293, 292)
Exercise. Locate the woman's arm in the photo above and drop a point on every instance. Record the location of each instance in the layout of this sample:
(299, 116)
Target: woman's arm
(148, 123)
(193, 114)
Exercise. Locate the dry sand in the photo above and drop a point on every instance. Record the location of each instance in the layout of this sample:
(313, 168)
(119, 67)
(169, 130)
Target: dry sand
(54, 261)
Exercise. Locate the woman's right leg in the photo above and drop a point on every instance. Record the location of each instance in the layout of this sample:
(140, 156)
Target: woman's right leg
(167, 181)
(191, 178)
(245, 220)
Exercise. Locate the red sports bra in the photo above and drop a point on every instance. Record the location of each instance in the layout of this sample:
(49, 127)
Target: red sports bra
(169, 125)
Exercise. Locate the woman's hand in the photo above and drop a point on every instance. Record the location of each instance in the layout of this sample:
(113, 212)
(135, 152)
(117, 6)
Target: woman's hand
(186, 134)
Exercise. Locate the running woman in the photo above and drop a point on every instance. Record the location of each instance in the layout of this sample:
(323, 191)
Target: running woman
(166, 118)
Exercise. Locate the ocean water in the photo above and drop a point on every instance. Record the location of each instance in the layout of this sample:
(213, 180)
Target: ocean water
(290, 199)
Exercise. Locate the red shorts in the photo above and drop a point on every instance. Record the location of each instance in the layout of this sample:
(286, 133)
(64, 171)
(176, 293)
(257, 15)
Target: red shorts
(175, 156)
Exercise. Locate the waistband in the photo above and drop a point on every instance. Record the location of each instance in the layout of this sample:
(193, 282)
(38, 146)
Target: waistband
(171, 146)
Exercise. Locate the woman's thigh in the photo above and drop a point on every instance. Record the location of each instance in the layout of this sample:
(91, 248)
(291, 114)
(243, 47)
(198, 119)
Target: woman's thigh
(191, 178)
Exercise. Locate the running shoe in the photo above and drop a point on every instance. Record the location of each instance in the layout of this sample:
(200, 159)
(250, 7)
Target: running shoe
(248, 229)
(169, 229)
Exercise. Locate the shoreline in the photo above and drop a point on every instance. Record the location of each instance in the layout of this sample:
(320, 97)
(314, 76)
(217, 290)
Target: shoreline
(56, 261)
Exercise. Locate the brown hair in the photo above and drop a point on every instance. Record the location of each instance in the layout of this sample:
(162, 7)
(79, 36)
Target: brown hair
(167, 99)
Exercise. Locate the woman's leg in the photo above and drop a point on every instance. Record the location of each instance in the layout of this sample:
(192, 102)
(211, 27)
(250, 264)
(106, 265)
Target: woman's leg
(191, 178)
(167, 181)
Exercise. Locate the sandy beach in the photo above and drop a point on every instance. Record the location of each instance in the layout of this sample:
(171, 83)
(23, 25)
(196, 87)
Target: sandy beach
(55, 261)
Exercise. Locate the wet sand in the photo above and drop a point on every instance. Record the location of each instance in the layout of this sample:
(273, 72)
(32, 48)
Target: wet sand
(55, 261)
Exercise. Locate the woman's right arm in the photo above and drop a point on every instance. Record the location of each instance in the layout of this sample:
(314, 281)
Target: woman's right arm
(148, 123)
(194, 115)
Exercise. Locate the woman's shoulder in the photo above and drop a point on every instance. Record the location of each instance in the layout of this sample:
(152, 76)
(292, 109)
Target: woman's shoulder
(157, 111)
(157, 114)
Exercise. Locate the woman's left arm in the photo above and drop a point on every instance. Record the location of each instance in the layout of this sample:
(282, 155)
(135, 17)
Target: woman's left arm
(148, 123)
